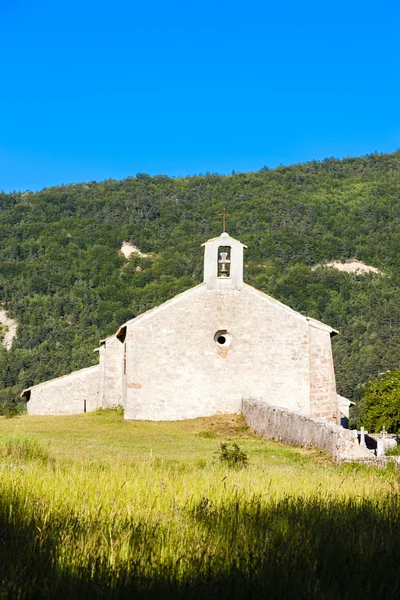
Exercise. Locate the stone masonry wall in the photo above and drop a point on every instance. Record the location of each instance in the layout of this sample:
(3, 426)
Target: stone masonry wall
(111, 373)
(66, 395)
(176, 370)
(323, 394)
(273, 422)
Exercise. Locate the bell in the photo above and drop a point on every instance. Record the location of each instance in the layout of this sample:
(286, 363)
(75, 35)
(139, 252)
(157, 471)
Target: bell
(223, 261)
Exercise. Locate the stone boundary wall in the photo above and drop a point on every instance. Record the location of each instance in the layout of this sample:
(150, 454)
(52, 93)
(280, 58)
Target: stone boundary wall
(299, 429)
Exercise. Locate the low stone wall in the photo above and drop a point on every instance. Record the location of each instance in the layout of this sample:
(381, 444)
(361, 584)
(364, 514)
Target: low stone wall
(299, 429)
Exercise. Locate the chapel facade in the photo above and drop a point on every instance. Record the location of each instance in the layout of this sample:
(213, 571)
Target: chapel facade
(202, 353)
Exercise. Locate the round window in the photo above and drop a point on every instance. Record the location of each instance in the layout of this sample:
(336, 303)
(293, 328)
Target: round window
(223, 338)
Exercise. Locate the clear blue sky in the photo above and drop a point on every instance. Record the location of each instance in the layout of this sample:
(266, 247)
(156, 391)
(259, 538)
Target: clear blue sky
(91, 89)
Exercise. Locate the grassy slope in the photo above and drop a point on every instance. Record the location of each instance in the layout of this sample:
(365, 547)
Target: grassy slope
(104, 439)
(92, 506)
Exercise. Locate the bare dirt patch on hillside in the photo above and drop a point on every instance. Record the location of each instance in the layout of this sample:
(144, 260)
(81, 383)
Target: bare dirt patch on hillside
(128, 249)
(352, 265)
(10, 328)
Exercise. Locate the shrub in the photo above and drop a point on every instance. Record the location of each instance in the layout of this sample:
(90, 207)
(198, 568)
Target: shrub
(393, 451)
(382, 403)
(233, 457)
(11, 410)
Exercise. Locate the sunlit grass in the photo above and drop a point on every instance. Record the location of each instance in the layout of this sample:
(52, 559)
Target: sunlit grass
(93, 505)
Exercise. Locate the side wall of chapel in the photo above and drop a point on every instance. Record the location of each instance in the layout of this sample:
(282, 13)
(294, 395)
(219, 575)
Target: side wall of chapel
(68, 395)
(324, 400)
(111, 377)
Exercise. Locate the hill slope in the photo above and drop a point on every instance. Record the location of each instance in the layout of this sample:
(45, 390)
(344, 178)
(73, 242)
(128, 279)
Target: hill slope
(64, 280)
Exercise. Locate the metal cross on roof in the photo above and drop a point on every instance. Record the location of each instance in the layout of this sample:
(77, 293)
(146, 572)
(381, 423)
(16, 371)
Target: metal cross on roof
(224, 215)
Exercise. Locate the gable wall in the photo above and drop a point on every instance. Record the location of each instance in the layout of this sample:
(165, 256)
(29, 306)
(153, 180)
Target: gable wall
(175, 370)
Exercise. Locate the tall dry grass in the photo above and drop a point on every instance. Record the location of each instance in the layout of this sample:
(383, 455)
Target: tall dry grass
(93, 507)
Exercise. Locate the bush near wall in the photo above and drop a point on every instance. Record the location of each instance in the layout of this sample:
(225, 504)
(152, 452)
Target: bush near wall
(382, 403)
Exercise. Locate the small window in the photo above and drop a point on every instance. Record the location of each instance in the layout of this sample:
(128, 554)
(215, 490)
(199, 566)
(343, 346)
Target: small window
(223, 338)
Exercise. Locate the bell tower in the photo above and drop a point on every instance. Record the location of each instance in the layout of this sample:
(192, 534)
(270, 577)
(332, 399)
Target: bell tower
(223, 263)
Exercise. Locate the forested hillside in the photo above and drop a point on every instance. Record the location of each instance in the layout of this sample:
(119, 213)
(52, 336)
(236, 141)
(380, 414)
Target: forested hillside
(64, 281)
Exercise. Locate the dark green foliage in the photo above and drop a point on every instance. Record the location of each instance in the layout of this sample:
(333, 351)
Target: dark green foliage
(10, 403)
(63, 280)
(393, 451)
(382, 403)
(232, 456)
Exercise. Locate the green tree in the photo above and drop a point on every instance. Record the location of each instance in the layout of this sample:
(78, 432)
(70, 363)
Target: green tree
(382, 403)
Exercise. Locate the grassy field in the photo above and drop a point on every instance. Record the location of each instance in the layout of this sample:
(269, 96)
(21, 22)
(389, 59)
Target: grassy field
(96, 507)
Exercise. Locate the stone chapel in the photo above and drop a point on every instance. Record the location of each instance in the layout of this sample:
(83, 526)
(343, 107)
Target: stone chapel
(203, 352)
